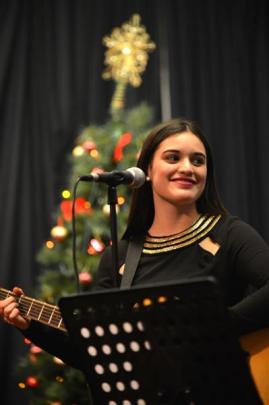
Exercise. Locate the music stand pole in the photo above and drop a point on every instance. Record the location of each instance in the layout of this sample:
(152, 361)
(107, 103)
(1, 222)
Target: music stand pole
(112, 201)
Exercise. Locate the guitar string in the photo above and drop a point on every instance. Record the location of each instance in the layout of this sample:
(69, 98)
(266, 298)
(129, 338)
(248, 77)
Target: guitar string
(55, 321)
(38, 309)
(25, 298)
(37, 305)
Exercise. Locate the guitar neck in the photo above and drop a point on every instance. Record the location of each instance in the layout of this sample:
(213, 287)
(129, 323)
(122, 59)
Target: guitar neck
(36, 310)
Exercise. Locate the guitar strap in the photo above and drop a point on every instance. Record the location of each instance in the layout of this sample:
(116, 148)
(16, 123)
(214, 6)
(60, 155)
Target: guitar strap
(133, 255)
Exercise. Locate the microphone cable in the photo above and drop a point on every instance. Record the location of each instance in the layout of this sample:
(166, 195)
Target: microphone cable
(74, 237)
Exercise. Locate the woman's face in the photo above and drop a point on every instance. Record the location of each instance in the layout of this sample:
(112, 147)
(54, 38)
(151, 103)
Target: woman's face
(178, 170)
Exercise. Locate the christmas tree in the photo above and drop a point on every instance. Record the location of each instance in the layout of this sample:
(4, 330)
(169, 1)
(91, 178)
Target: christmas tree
(114, 145)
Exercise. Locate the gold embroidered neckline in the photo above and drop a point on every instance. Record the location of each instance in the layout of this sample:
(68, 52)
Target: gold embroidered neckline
(194, 226)
(197, 231)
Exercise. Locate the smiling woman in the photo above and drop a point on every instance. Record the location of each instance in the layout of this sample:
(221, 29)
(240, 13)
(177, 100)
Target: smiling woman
(178, 176)
(178, 229)
(175, 144)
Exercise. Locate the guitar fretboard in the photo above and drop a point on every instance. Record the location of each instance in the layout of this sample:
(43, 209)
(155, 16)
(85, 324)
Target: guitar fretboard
(37, 310)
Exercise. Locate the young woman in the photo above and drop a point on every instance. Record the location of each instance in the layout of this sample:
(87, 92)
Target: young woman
(177, 229)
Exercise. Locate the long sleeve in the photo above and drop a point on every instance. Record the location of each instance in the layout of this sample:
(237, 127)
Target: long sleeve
(250, 255)
(53, 341)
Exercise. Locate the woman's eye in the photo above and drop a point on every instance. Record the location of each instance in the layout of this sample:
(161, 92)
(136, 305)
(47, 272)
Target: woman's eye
(172, 158)
(198, 161)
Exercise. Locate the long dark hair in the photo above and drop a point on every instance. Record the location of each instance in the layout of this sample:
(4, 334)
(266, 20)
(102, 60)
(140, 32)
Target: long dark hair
(142, 207)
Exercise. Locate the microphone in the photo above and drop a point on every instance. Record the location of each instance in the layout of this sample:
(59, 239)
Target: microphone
(133, 177)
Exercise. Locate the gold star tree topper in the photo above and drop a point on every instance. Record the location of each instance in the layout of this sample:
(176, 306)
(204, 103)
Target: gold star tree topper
(126, 57)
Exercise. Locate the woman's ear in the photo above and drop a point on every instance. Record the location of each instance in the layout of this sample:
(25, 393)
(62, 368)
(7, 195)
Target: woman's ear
(149, 172)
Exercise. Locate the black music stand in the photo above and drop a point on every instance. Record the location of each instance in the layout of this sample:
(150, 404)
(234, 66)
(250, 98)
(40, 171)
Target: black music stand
(166, 344)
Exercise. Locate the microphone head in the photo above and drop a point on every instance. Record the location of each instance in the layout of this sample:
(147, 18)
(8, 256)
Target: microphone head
(139, 177)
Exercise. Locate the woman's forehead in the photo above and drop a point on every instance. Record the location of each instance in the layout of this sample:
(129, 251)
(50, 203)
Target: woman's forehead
(183, 139)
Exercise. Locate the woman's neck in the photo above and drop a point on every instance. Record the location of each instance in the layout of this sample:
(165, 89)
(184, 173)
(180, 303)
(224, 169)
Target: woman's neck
(173, 221)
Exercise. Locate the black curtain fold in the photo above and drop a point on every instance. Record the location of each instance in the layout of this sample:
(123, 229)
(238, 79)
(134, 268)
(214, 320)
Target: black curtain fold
(51, 86)
(218, 77)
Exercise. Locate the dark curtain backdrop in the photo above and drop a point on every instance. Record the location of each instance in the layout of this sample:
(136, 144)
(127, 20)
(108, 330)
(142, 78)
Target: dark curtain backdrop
(211, 65)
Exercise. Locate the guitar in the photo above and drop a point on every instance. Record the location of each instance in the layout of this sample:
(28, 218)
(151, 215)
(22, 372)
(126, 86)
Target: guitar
(36, 310)
(256, 343)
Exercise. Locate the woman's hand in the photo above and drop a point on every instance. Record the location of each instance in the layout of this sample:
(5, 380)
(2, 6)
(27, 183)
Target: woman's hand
(9, 311)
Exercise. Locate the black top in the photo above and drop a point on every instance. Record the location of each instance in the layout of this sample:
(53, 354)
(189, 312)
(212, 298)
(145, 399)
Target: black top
(241, 267)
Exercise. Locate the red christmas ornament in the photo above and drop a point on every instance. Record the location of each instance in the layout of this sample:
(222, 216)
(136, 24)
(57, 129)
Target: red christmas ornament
(32, 382)
(85, 278)
(88, 146)
(35, 349)
(81, 207)
(91, 250)
(97, 170)
(124, 140)
(97, 245)
(66, 208)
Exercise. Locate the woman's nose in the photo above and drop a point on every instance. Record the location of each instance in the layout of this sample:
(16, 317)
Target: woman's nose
(185, 166)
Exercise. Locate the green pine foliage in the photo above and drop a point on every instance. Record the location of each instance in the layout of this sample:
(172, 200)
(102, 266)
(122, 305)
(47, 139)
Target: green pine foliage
(112, 146)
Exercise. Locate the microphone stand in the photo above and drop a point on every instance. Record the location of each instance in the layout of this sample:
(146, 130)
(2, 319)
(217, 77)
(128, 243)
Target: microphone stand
(134, 177)
(112, 201)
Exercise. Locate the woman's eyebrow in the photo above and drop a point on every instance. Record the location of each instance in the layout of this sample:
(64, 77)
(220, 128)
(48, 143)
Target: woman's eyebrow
(178, 151)
(171, 150)
(199, 154)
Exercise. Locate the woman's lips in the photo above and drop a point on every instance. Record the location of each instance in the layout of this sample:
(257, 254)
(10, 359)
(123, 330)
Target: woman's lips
(184, 182)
